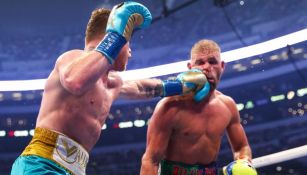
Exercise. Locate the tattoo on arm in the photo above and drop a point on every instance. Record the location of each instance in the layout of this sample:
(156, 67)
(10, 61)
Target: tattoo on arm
(156, 91)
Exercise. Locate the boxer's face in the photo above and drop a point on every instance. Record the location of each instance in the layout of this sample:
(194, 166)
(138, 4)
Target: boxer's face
(210, 63)
(122, 58)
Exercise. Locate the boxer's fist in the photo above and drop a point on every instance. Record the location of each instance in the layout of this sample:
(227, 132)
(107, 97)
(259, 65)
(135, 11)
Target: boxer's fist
(239, 167)
(123, 19)
(126, 17)
(191, 81)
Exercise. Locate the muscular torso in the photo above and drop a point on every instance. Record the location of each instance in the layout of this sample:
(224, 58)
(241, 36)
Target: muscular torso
(80, 117)
(197, 131)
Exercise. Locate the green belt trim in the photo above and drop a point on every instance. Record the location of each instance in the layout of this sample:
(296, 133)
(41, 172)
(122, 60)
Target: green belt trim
(178, 168)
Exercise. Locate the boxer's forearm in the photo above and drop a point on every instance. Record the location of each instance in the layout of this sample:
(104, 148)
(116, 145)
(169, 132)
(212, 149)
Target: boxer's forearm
(141, 89)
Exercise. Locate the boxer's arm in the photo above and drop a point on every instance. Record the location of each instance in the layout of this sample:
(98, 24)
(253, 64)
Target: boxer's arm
(141, 89)
(236, 135)
(78, 70)
(191, 81)
(241, 150)
(158, 135)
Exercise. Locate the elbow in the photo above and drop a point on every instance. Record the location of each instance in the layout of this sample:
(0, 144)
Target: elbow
(73, 85)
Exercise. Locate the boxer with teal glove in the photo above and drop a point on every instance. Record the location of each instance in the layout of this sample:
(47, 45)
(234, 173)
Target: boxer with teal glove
(239, 167)
(124, 18)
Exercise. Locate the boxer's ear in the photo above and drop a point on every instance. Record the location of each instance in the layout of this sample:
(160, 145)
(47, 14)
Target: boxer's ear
(189, 65)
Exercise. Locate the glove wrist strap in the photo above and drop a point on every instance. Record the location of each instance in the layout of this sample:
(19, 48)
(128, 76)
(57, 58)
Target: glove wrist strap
(171, 87)
(111, 45)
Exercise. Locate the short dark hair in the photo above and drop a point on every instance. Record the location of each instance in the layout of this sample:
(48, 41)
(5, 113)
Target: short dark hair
(97, 24)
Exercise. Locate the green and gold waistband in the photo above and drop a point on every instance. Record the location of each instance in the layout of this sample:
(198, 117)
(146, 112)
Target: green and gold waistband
(59, 148)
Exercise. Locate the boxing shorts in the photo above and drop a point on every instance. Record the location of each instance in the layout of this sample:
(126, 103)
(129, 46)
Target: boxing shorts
(50, 152)
(167, 167)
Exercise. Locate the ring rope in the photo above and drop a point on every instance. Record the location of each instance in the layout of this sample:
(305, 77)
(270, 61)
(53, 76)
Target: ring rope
(280, 156)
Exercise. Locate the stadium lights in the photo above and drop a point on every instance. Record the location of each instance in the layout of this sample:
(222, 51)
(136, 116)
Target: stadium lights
(302, 92)
(172, 68)
(127, 124)
(2, 133)
(21, 133)
(31, 132)
(139, 123)
(240, 106)
(290, 95)
(104, 127)
(278, 98)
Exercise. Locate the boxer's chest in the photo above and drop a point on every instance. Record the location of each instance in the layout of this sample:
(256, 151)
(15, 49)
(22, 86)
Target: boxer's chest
(211, 120)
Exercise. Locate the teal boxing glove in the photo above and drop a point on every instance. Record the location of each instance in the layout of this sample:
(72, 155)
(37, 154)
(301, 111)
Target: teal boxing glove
(123, 19)
(191, 81)
(239, 167)
(202, 93)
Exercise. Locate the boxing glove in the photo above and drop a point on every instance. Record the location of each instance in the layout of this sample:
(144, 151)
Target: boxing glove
(123, 19)
(191, 81)
(239, 167)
